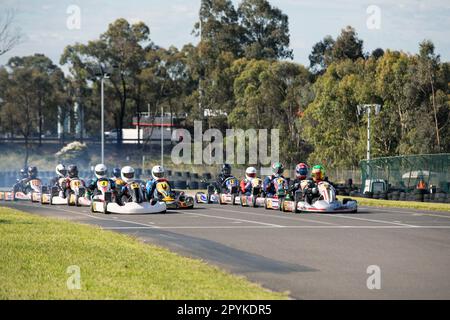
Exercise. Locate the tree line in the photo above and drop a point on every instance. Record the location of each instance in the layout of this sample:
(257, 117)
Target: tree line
(242, 70)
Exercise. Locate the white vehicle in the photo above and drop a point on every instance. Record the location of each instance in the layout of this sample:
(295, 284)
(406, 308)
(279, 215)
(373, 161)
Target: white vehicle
(325, 203)
(132, 203)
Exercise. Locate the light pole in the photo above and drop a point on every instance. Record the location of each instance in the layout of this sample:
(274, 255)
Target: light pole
(103, 75)
(368, 109)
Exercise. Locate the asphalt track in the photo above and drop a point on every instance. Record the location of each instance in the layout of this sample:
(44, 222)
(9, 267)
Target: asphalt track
(313, 256)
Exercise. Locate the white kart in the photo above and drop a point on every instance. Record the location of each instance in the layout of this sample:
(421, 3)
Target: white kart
(325, 203)
(134, 203)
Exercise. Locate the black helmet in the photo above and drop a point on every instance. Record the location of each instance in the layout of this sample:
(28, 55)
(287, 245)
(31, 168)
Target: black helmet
(72, 171)
(116, 172)
(32, 172)
(226, 169)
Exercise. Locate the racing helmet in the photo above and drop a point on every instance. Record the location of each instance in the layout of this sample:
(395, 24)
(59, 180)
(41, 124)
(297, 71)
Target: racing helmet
(127, 173)
(72, 171)
(250, 173)
(32, 172)
(318, 173)
(100, 171)
(301, 170)
(158, 172)
(61, 170)
(226, 169)
(116, 172)
(277, 168)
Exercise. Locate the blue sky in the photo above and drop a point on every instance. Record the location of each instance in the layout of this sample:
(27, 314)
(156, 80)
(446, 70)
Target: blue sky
(403, 24)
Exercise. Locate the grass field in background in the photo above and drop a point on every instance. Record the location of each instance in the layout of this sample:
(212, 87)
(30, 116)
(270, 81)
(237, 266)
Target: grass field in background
(35, 253)
(400, 204)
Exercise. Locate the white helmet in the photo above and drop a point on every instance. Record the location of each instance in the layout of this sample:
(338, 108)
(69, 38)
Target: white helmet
(250, 173)
(157, 172)
(127, 173)
(61, 170)
(100, 171)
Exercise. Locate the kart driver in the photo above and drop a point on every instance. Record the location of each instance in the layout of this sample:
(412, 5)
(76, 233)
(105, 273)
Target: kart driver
(158, 174)
(225, 173)
(72, 173)
(61, 173)
(127, 175)
(24, 177)
(301, 176)
(100, 172)
(268, 184)
(246, 183)
(310, 192)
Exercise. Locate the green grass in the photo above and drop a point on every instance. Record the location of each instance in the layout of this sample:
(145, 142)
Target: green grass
(401, 204)
(35, 253)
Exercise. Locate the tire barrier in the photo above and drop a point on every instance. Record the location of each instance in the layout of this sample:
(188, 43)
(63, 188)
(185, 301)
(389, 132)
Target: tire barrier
(180, 184)
(193, 185)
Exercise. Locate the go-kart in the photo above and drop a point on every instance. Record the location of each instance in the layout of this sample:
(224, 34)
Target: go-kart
(210, 197)
(31, 192)
(132, 202)
(274, 201)
(172, 198)
(51, 194)
(255, 198)
(76, 194)
(326, 202)
(229, 196)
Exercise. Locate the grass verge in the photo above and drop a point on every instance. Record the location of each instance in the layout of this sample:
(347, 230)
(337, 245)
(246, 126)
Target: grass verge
(36, 252)
(401, 204)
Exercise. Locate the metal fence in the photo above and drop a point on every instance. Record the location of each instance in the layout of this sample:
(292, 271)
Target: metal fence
(405, 172)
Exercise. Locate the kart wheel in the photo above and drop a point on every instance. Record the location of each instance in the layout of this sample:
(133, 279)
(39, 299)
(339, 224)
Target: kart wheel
(233, 199)
(254, 201)
(68, 200)
(282, 206)
(265, 204)
(51, 200)
(77, 203)
(92, 207)
(105, 208)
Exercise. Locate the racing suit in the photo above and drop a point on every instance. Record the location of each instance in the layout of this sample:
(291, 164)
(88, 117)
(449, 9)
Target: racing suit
(219, 185)
(246, 186)
(65, 185)
(92, 189)
(269, 186)
(150, 187)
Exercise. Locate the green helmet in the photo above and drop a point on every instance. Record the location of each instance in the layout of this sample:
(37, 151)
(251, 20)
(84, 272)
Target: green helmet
(318, 172)
(277, 168)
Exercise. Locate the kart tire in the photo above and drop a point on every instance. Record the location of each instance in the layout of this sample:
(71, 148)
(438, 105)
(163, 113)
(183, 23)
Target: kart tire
(105, 208)
(68, 200)
(92, 207)
(51, 200)
(281, 205)
(77, 203)
(265, 204)
(254, 201)
(42, 200)
(233, 199)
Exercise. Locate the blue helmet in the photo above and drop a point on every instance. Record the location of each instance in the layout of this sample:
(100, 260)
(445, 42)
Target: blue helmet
(116, 172)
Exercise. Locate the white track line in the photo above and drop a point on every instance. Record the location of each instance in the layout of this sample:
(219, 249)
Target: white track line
(409, 212)
(373, 220)
(274, 216)
(57, 208)
(283, 227)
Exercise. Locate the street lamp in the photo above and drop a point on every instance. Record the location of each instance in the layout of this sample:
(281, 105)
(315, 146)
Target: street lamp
(103, 74)
(368, 109)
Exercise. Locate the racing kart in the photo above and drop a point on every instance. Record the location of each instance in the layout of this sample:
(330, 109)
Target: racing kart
(132, 202)
(210, 197)
(274, 202)
(51, 194)
(76, 194)
(229, 196)
(31, 192)
(173, 199)
(255, 198)
(326, 202)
